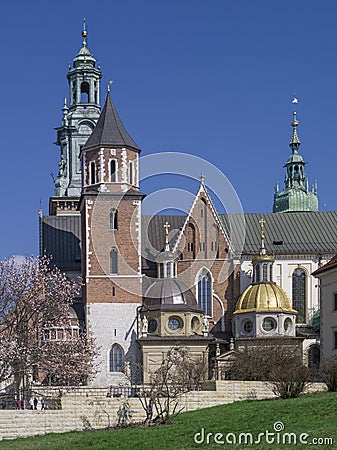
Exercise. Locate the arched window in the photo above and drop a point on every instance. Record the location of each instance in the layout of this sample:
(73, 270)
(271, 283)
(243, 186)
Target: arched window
(205, 291)
(113, 177)
(113, 260)
(116, 358)
(299, 294)
(131, 172)
(114, 219)
(85, 92)
(92, 172)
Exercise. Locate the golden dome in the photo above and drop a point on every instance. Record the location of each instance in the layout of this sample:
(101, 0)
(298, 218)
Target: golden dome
(264, 297)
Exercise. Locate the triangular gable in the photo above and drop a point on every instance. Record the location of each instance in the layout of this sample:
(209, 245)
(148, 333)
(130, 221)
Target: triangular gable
(202, 189)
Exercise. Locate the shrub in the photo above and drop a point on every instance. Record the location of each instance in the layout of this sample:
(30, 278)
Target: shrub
(328, 372)
(280, 366)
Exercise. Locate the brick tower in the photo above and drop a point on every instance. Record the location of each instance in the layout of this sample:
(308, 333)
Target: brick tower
(110, 208)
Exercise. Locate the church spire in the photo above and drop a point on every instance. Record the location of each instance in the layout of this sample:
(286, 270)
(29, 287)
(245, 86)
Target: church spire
(294, 141)
(84, 33)
(110, 130)
(296, 195)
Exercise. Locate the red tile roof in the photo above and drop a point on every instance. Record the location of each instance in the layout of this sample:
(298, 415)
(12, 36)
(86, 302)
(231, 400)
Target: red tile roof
(329, 265)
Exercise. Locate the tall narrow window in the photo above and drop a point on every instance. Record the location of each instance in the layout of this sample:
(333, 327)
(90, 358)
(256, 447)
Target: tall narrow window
(85, 92)
(92, 172)
(335, 301)
(113, 260)
(299, 294)
(257, 273)
(116, 358)
(190, 237)
(131, 173)
(74, 92)
(168, 270)
(264, 272)
(113, 178)
(114, 219)
(205, 291)
(215, 243)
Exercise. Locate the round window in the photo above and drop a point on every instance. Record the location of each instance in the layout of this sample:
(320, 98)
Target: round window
(288, 324)
(248, 326)
(269, 324)
(174, 323)
(152, 326)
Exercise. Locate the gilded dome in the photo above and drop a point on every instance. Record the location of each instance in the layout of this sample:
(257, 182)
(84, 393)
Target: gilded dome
(264, 297)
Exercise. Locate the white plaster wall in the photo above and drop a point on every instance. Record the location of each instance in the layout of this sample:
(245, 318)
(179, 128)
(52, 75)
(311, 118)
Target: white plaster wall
(112, 323)
(282, 275)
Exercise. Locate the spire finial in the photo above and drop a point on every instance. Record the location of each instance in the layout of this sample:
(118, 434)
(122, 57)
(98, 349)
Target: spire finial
(84, 33)
(167, 226)
(262, 250)
(295, 99)
(109, 84)
(202, 178)
(294, 141)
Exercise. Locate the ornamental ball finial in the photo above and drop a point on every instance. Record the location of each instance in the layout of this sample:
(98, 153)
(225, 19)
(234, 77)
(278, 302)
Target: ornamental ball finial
(294, 123)
(84, 31)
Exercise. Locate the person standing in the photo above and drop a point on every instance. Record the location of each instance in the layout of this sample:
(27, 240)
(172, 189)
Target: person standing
(43, 403)
(31, 403)
(35, 403)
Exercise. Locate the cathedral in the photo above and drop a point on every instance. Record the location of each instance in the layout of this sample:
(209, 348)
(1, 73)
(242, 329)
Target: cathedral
(150, 283)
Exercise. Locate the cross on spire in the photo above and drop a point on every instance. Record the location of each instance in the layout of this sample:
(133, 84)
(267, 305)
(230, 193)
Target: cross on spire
(84, 33)
(167, 226)
(262, 250)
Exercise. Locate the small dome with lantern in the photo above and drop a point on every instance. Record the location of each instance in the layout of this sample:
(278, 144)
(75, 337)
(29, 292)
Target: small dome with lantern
(264, 308)
(170, 309)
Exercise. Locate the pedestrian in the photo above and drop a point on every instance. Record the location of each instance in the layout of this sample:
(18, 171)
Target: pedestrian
(35, 403)
(43, 403)
(31, 403)
(3, 404)
(19, 403)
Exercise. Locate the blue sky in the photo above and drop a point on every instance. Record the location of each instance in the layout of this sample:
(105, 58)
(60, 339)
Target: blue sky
(214, 79)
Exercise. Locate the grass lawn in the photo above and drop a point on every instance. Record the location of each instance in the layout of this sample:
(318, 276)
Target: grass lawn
(315, 415)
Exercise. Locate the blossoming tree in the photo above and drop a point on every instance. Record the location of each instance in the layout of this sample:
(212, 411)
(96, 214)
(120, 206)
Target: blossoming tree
(37, 339)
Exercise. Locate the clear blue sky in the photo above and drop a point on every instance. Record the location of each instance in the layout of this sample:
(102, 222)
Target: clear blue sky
(211, 78)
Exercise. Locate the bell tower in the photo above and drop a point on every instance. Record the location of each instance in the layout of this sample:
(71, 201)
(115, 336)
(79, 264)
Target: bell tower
(80, 114)
(296, 195)
(110, 208)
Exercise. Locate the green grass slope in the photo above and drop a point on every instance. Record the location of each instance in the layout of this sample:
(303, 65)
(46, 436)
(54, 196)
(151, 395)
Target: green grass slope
(311, 419)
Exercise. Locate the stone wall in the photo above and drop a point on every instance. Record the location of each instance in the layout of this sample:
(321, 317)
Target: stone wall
(86, 408)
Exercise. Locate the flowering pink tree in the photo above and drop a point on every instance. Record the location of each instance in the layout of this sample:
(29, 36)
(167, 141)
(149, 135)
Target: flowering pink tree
(36, 334)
